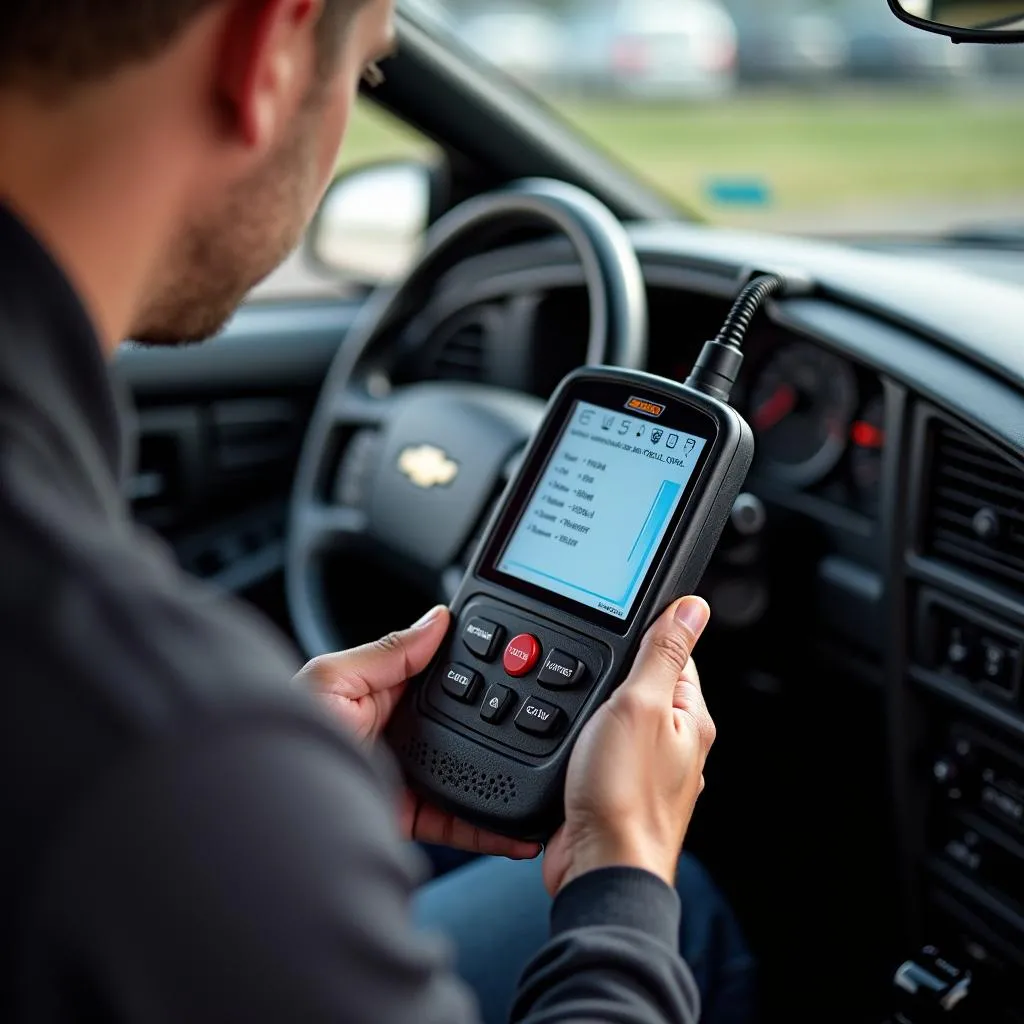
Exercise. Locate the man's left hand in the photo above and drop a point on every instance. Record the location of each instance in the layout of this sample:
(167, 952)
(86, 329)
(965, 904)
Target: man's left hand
(361, 687)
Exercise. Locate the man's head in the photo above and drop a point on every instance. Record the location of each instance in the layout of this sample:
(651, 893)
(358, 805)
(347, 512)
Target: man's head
(235, 110)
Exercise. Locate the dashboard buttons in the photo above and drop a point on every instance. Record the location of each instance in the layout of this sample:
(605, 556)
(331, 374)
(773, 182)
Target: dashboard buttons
(538, 717)
(998, 666)
(958, 652)
(980, 655)
(560, 671)
(521, 655)
(460, 682)
(482, 637)
(995, 660)
(1002, 805)
(496, 702)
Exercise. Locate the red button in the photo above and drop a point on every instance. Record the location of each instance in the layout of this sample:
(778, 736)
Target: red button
(521, 654)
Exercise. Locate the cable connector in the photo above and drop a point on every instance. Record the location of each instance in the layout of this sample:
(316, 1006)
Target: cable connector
(795, 280)
(719, 363)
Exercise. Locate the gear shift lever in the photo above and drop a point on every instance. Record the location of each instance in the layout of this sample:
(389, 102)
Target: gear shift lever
(929, 989)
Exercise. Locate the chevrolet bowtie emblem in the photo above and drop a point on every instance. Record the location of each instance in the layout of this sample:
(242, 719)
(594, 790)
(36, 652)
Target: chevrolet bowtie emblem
(427, 466)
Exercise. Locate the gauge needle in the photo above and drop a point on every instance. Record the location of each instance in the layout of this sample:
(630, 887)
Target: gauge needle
(775, 408)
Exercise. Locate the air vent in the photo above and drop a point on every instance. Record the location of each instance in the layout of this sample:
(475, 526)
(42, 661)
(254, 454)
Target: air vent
(976, 507)
(461, 352)
(156, 485)
(253, 437)
(164, 481)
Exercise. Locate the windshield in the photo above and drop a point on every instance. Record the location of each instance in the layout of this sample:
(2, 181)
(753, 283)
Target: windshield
(809, 116)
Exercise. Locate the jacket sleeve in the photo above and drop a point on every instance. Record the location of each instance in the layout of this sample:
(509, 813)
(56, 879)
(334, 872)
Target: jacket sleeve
(254, 874)
(613, 956)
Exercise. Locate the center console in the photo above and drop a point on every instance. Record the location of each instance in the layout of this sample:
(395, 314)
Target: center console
(958, 715)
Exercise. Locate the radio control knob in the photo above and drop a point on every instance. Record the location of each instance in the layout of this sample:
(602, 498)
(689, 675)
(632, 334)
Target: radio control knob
(944, 771)
(748, 515)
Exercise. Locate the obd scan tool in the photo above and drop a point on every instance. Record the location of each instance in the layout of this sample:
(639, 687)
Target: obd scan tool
(614, 512)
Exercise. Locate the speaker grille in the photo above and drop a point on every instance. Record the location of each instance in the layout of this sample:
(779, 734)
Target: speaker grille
(458, 774)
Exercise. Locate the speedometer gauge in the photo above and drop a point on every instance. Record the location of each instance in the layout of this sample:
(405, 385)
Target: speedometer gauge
(801, 407)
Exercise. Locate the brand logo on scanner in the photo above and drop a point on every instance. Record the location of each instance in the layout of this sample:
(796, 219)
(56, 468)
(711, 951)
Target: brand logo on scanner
(427, 466)
(642, 405)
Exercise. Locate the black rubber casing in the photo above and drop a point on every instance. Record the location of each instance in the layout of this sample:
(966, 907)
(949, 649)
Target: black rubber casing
(500, 778)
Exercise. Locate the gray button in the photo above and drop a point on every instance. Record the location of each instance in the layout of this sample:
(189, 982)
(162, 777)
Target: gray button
(461, 682)
(482, 637)
(560, 671)
(496, 702)
(538, 717)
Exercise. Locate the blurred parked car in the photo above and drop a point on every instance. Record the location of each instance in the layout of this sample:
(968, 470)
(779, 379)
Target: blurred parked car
(1004, 63)
(884, 49)
(651, 49)
(525, 42)
(787, 41)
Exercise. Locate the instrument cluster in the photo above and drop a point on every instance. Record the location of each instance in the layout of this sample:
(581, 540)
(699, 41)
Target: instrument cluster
(818, 419)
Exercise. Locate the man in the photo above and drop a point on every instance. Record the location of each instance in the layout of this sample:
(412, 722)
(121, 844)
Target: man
(186, 837)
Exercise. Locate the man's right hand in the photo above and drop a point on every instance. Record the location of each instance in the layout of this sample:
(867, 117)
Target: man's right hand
(637, 768)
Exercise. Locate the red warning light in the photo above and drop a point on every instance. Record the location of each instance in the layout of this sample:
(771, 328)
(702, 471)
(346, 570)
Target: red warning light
(867, 435)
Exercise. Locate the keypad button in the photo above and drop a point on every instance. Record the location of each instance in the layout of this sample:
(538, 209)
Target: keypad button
(482, 637)
(521, 655)
(538, 717)
(560, 671)
(461, 682)
(496, 702)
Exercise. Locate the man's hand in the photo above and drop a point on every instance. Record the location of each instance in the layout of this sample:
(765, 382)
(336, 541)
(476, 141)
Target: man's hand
(637, 768)
(362, 687)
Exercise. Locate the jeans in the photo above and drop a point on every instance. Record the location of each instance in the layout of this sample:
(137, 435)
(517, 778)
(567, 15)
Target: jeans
(495, 913)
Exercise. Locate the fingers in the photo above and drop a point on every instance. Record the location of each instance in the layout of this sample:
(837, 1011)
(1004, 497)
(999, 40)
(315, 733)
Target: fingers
(429, 824)
(685, 683)
(690, 709)
(687, 686)
(666, 649)
(393, 659)
(557, 861)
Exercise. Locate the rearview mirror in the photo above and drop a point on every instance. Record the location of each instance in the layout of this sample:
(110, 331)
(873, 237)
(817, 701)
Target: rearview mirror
(371, 222)
(979, 21)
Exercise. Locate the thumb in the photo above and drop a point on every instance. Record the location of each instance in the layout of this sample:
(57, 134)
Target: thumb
(400, 655)
(666, 649)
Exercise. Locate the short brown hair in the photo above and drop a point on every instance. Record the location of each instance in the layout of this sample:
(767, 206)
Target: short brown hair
(55, 44)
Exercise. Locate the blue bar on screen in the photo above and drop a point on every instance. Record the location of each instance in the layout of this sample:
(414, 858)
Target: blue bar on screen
(650, 532)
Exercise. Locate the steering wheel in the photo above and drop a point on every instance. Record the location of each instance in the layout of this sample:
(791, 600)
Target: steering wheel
(406, 478)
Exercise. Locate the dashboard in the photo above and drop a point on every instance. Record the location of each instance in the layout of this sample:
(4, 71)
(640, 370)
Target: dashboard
(870, 642)
(819, 416)
(889, 467)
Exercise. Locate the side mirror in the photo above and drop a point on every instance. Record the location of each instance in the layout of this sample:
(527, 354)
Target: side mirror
(967, 21)
(371, 222)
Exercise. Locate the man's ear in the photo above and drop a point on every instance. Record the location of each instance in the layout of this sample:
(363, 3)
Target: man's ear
(267, 58)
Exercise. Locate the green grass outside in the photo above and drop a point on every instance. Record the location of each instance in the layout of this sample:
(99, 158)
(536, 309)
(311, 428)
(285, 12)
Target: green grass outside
(812, 151)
